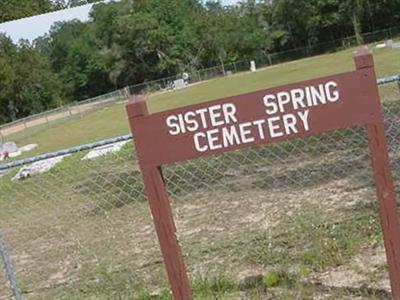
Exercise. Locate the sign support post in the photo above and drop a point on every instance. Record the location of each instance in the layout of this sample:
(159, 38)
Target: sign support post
(259, 118)
(382, 175)
(162, 216)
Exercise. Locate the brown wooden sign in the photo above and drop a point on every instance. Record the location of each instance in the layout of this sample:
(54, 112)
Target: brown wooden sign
(262, 117)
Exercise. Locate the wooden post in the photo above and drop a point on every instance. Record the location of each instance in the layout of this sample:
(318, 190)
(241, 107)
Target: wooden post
(382, 174)
(357, 103)
(162, 214)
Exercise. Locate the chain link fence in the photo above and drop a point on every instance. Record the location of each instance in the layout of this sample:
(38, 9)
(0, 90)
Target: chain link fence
(292, 220)
(30, 126)
(38, 122)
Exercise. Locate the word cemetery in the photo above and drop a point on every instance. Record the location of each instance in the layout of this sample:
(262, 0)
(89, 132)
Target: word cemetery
(261, 118)
(217, 126)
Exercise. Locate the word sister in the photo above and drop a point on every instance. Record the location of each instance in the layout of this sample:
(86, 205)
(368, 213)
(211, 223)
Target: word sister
(286, 113)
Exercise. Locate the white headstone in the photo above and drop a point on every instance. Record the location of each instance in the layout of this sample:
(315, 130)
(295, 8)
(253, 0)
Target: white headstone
(179, 84)
(389, 43)
(253, 66)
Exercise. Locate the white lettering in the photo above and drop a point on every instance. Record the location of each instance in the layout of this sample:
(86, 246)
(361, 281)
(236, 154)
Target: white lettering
(331, 93)
(270, 104)
(181, 123)
(259, 124)
(192, 125)
(212, 137)
(318, 95)
(245, 133)
(202, 113)
(229, 111)
(308, 97)
(215, 114)
(230, 136)
(273, 128)
(304, 118)
(283, 99)
(197, 145)
(297, 98)
(289, 123)
(172, 124)
(301, 98)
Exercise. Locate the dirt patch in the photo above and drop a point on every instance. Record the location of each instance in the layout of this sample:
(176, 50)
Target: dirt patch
(222, 206)
(367, 270)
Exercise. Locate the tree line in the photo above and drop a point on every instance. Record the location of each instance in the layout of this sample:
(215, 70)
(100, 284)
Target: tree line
(132, 41)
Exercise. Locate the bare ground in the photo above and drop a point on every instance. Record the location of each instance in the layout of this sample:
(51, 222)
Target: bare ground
(71, 246)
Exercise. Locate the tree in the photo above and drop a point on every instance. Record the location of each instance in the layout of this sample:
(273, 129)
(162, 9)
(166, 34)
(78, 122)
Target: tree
(128, 42)
(8, 54)
(146, 39)
(28, 85)
(37, 88)
(62, 4)
(16, 9)
(74, 56)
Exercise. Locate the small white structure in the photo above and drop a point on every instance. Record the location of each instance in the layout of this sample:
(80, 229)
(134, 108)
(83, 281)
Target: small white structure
(38, 167)
(9, 149)
(179, 84)
(253, 67)
(185, 77)
(389, 43)
(28, 148)
(381, 46)
(104, 150)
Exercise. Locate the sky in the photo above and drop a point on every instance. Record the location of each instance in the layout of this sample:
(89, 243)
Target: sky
(33, 27)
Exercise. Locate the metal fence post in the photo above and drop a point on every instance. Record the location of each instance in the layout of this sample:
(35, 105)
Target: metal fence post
(69, 109)
(9, 269)
(235, 67)
(398, 83)
(269, 59)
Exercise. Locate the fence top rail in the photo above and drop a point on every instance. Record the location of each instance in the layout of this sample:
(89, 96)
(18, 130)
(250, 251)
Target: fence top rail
(389, 79)
(22, 162)
(76, 149)
(33, 117)
(117, 92)
(108, 98)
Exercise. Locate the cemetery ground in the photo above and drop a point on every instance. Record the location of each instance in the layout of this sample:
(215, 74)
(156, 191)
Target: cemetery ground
(295, 220)
(303, 227)
(111, 121)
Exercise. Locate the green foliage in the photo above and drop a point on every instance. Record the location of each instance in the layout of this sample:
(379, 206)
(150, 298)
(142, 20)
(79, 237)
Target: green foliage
(16, 9)
(315, 244)
(71, 47)
(272, 279)
(28, 85)
(130, 42)
(207, 288)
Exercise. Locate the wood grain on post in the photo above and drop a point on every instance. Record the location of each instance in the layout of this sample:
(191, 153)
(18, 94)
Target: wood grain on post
(358, 103)
(382, 174)
(162, 213)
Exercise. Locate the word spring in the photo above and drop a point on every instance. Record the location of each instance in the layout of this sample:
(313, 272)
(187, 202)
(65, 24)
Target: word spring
(286, 113)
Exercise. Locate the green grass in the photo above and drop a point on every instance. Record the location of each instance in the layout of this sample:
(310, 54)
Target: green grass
(111, 121)
(317, 245)
(314, 243)
(95, 214)
(83, 230)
